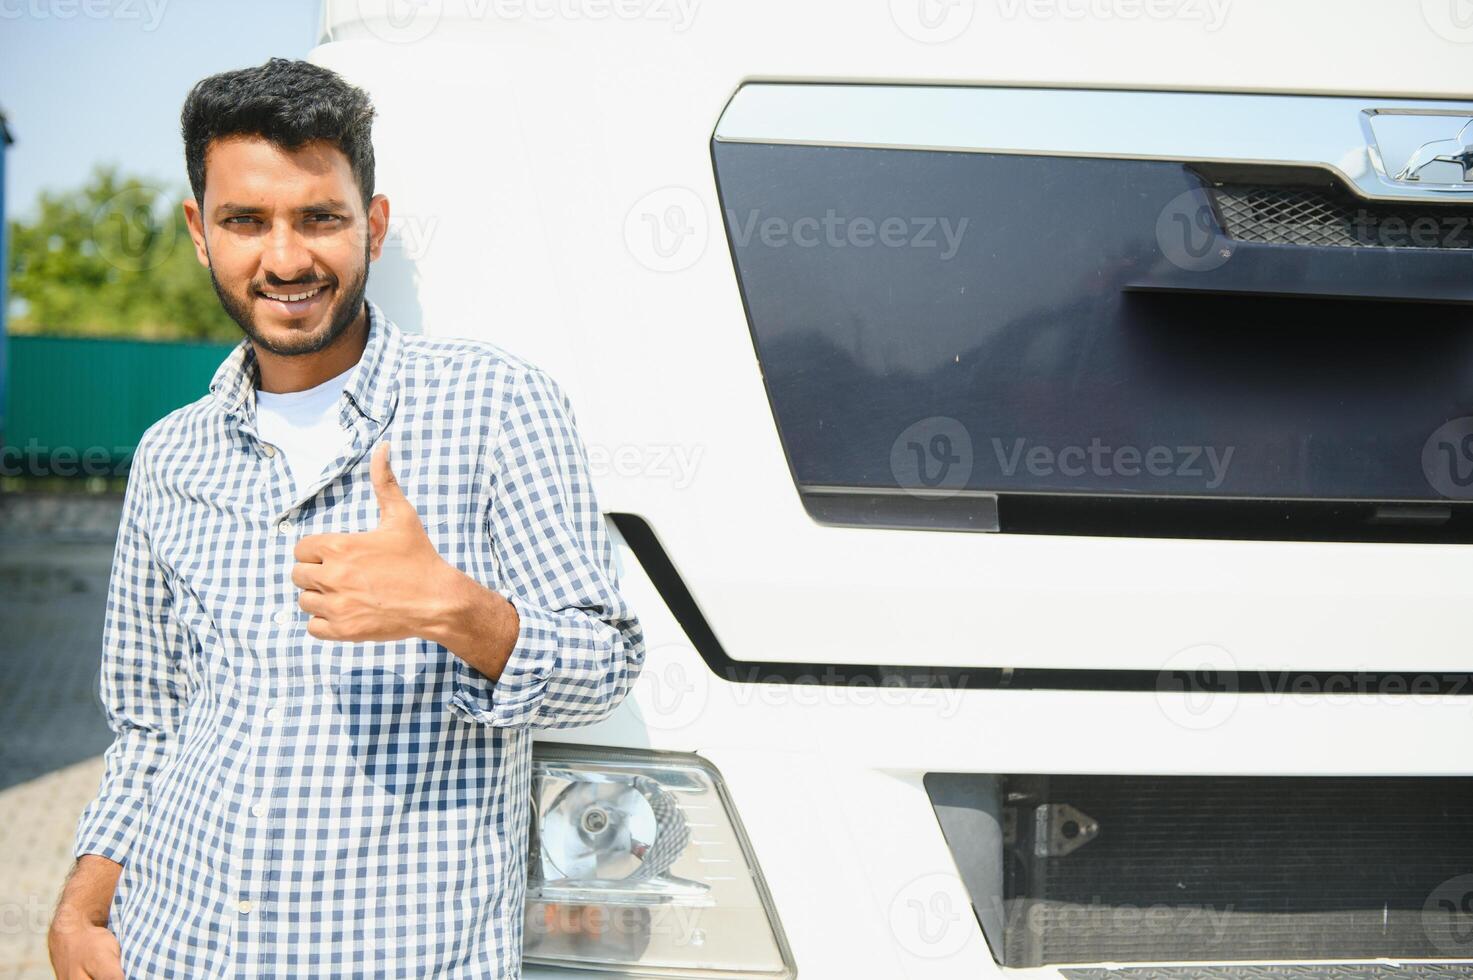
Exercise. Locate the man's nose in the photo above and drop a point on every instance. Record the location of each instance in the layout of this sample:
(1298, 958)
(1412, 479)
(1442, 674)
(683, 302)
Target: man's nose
(286, 257)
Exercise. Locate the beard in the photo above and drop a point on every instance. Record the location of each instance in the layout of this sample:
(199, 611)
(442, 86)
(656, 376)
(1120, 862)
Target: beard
(346, 307)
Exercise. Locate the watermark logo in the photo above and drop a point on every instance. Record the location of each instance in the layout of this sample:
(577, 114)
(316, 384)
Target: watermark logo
(932, 21)
(930, 917)
(1447, 916)
(1196, 687)
(1451, 20)
(1188, 233)
(667, 229)
(135, 229)
(932, 457)
(401, 21)
(1447, 459)
(674, 687)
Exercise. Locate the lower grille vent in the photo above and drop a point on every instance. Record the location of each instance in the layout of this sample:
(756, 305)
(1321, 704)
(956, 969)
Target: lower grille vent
(1301, 216)
(1122, 869)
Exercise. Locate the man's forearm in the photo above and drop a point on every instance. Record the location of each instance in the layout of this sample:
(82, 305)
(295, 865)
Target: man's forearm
(88, 892)
(476, 624)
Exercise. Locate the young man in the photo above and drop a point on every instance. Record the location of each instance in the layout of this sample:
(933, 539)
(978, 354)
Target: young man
(347, 583)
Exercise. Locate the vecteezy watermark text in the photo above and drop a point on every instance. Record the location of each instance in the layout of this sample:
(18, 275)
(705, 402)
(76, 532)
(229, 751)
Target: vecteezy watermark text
(1211, 13)
(1424, 231)
(834, 688)
(676, 463)
(1103, 460)
(149, 12)
(408, 21)
(36, 459)
(834, 230)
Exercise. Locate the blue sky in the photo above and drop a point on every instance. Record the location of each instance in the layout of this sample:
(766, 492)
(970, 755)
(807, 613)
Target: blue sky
(84, 82)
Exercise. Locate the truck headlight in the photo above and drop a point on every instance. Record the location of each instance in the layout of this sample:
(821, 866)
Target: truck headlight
(638, 864)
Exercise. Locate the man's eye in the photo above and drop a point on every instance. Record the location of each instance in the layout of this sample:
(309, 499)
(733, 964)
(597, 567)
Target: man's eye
(323, 216)
(239, 219)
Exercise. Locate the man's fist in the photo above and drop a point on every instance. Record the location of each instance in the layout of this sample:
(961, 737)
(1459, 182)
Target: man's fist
(386, 584)
(81, 950)
(81, 945)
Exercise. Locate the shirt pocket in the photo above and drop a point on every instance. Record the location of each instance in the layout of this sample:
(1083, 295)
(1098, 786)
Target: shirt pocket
(394, 733)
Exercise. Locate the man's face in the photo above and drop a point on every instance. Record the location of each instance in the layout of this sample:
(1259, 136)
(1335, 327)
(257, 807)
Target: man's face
(287, 240)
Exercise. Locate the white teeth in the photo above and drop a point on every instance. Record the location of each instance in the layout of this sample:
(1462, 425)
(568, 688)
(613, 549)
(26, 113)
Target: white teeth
(292, 297)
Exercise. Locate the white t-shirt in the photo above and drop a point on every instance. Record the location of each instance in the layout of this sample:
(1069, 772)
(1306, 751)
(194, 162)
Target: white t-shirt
(304, 425)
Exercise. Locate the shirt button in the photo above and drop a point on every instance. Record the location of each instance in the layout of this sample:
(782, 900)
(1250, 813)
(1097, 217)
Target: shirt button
(244, 905)
(282, 617)
(272, 714)
(259, 809)
(269, 449)
(285, 526)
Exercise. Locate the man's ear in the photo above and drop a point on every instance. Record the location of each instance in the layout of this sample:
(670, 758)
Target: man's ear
(378, 225)
(195, 220)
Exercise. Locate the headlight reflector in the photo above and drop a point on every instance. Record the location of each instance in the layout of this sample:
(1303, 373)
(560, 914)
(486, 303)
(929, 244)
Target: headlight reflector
(638, 863)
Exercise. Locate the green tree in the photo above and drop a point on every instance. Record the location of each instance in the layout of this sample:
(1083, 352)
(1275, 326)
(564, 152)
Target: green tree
(112, 259)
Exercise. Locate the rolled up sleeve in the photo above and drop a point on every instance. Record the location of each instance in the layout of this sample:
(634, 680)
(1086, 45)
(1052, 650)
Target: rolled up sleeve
(142, 684)
(579, 647)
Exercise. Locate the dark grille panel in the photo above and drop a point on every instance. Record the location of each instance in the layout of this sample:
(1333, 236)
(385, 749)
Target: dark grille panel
(1294, 216)
(1348, 971)
(1066, 315)
(1245, 868)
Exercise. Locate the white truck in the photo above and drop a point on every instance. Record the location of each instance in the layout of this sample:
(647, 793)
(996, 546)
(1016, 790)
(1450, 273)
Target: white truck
(1038, 438)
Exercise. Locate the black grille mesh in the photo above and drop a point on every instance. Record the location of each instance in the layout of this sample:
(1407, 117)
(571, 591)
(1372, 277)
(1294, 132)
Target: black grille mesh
(1248, 868)
(1293, 216)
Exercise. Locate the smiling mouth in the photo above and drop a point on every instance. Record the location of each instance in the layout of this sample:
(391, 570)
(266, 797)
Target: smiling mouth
(295, 301)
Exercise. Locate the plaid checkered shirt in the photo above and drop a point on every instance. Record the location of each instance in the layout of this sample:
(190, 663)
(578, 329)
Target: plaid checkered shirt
(285, 806)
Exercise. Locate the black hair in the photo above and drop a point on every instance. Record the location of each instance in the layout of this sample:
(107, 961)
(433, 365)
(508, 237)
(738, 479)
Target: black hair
(287, 102)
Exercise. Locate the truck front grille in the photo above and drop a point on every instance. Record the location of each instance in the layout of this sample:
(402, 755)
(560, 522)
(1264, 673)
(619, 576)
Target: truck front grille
(1122, 869)
(1303, 216)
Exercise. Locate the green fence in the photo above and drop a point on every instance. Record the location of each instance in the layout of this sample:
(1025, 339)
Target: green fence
(76, 406)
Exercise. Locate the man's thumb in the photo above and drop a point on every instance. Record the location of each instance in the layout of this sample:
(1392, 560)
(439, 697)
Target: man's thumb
(391, 499)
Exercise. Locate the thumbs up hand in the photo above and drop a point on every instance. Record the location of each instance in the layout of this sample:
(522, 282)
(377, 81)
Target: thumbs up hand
(386, 584)
(395, 512)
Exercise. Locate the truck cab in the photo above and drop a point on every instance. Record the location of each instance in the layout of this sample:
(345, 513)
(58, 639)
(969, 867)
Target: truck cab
(1038, 441)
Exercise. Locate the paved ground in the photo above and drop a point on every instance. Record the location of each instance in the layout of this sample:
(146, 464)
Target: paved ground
(55, 556)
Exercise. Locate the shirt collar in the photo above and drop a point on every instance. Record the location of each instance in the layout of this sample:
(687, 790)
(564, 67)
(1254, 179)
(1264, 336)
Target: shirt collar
(372, 388)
